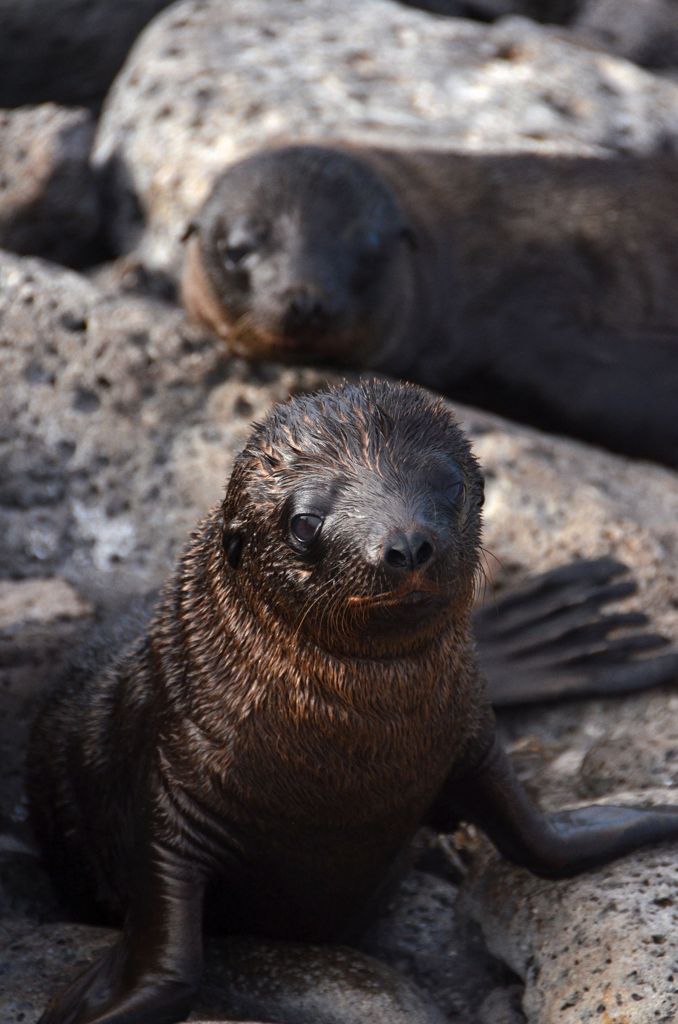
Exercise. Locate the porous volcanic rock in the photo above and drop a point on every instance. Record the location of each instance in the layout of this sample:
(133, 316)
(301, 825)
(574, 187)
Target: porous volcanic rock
(207, 82)
(48, 197)
(422, 935)
(598, 948)
(38, 601)
(66, 50)
(36, 958)
(110, 446)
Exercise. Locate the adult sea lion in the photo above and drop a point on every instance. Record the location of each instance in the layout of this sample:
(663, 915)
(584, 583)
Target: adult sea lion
(305, 697)
(541, 287)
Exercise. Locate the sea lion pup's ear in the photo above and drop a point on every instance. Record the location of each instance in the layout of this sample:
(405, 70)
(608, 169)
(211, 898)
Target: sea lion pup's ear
(408, 235)
(232, 542)
(190, 229)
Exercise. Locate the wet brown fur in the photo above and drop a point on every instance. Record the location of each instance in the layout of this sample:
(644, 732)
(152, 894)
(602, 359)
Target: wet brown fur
(288, 731)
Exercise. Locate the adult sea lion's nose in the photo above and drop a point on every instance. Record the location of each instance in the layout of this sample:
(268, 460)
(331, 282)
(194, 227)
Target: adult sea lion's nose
(306, 306)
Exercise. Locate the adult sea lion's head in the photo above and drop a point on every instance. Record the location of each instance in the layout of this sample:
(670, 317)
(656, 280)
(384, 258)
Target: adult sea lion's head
(298, 253)
(354, 515)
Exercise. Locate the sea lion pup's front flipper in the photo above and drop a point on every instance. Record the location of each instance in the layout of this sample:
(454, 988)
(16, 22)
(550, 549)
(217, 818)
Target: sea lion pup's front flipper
(556, 845)
(153, 971)
(551, 638)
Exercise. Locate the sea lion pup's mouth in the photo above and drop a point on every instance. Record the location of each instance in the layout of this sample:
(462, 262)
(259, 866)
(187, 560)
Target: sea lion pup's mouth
(414, 593)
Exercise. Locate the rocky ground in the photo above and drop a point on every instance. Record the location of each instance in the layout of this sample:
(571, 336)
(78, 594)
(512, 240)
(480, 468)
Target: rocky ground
(119, 422)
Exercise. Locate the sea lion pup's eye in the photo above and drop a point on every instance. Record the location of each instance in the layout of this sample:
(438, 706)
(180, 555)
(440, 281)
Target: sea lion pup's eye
(232, 544)
(454, 490)
(305, 527)
(454, 487)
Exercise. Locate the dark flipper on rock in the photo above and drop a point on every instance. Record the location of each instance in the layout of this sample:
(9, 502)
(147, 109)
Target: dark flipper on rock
(551, 638)
(151, 975)
(557, 845)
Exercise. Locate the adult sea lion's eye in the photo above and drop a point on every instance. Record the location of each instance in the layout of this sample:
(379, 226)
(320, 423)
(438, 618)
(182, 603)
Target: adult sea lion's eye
(306, 527)
(235, 254)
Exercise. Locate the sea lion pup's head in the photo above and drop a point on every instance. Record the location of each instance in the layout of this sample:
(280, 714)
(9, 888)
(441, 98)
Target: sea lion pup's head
(298, 253)
(353, 516)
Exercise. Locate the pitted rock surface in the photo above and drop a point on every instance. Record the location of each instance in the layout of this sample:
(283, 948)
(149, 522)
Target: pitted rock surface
(38, 601)
(36, 958)
(48, 197)
(638, 748)
(598, 948)
(114, 433)
(304, 984)
(422, 935)
(66, 50)
(208, 81)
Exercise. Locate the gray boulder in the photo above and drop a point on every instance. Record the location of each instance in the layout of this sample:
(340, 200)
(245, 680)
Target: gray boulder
(36, 958)
(210, 80)
(601, 947)
(109, 446)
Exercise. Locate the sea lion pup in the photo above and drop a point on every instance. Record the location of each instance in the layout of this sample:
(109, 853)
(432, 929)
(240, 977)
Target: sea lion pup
(541, 287)
(306, 696)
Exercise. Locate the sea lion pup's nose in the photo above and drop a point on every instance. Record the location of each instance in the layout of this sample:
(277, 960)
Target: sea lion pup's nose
(305, 306)
(408, 550)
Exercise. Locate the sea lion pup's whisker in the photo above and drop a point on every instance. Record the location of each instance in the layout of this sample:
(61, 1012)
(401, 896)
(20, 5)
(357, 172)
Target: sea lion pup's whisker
(487, 554)
(304, 614)
(312, 604)
(481, 580)
(318, 758)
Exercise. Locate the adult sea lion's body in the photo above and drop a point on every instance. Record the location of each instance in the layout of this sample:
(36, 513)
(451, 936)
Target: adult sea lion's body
(542, 287)
(305, 697)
